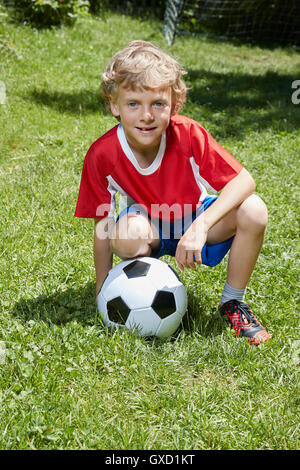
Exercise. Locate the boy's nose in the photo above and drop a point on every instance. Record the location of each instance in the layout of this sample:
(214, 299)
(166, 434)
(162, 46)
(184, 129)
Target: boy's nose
(147, 115)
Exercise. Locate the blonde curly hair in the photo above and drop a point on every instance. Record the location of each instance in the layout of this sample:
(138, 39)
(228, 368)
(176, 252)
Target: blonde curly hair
(143, 65)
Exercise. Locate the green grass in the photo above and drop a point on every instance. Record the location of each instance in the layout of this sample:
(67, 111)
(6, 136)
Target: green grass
(66, 382)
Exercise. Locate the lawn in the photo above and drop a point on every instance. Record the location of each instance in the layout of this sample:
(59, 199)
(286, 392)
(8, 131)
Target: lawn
(65, 381)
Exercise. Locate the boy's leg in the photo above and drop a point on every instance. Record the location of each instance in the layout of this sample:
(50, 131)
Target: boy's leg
(134, 236)
(248, 223)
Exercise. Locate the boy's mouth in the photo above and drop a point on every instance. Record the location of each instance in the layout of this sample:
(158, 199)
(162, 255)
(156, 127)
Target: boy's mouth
(146, 130)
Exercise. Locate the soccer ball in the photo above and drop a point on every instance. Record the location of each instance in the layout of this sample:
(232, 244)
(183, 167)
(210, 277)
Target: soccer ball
(144, 295)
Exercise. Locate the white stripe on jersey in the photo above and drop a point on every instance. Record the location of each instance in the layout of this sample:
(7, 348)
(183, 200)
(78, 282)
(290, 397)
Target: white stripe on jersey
(201, 182)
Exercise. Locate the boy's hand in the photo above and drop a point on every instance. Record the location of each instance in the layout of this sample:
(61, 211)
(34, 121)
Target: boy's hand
(189, 247)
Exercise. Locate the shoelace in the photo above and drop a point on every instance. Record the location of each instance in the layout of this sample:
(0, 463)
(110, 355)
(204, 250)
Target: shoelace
(246, 314)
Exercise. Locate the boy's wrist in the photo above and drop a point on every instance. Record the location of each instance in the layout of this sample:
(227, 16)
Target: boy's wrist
(201, 223)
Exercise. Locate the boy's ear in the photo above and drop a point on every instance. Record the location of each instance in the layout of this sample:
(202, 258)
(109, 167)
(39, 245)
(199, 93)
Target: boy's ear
(174, 108)
(114, 108)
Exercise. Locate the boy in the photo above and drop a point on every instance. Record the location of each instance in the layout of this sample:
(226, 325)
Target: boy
(163, 163)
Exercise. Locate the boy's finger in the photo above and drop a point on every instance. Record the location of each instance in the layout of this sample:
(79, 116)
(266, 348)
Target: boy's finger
(190, 260)
(178, 259)
(180, 266)
(197, 257)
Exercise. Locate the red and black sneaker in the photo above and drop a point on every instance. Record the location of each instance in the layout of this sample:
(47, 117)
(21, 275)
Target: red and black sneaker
(244, 322)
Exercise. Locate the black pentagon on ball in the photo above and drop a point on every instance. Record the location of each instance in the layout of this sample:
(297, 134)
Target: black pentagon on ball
(164, 303)
(136, 269)
(117, 310)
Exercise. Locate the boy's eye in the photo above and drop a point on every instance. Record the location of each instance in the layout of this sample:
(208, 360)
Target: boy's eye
(132, 104)
(159, 104)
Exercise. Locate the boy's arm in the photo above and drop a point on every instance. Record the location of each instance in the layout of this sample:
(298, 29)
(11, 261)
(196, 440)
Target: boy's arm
(231, 196)
(102, 252)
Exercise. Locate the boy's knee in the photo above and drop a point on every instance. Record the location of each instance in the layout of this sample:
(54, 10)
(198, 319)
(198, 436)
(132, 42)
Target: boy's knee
(130, 237)
(253, 213)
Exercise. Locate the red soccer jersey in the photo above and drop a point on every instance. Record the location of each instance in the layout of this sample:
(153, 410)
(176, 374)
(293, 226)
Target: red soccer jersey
(188, 163)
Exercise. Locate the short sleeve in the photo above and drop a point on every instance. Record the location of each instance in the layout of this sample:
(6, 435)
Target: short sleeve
(94, 199)
(216, 165)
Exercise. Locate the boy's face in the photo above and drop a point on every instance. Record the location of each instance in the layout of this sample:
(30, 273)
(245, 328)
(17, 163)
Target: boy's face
(144, 114)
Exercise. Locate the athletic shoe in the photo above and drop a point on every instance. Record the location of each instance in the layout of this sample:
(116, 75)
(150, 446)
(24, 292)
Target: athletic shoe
(244, 322)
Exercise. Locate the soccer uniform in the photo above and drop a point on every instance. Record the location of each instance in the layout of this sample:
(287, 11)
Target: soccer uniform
(189, 163)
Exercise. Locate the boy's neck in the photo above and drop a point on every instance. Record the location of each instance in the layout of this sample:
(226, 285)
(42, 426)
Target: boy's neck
(145, 157)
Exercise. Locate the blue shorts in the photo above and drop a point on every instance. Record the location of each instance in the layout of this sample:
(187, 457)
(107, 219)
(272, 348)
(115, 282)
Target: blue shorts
(211, 255)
